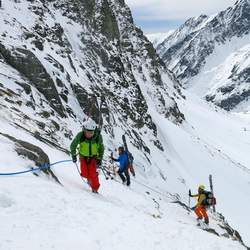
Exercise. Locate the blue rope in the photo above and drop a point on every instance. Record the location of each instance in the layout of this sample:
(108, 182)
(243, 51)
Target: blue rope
(80, 174)
(154, 190)
(35, 168)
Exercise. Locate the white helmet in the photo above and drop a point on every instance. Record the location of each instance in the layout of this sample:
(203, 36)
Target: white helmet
(90, 125)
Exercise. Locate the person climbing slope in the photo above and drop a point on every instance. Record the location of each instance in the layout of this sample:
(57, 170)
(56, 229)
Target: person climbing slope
(91, 150)
(124, 165)
(201, 207)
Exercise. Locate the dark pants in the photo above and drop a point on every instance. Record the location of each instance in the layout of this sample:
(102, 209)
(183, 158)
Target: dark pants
(122, 173)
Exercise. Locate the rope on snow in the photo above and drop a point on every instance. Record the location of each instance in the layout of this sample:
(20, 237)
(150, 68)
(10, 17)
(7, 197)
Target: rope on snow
(35, 169)
(154, 190)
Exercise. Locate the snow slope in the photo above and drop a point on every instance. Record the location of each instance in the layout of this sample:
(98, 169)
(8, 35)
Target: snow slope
(37, 213)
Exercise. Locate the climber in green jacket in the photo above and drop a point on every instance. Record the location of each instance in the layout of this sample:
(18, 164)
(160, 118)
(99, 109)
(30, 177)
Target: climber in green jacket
(91, 149)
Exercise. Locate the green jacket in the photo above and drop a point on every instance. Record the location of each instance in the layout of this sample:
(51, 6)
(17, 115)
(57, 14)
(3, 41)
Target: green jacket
(88, 147)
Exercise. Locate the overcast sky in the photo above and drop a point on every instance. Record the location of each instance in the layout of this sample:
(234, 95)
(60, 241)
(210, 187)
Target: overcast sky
(160, 16)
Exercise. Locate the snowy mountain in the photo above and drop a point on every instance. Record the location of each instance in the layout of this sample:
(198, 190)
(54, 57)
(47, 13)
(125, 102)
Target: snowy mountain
(158, 38)
(210, 56)
(56, 55)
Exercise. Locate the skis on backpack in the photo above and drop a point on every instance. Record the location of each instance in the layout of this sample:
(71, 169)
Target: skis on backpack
(103, 105)
(92, 103)
(212, 191)
(125, 142)
(100, 112)
(130, 157)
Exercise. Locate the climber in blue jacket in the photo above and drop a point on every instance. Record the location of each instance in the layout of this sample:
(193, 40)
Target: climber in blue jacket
(124, 165)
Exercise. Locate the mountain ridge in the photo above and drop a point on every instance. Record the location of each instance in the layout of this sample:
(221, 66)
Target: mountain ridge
(189, 50)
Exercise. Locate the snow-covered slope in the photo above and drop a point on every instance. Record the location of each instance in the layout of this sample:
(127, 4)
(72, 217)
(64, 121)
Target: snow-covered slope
(158, 38)
(210, 56)
(41, 214)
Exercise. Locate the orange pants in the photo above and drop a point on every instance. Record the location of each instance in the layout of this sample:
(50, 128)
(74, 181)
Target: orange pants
(201, 211)
(88, 171)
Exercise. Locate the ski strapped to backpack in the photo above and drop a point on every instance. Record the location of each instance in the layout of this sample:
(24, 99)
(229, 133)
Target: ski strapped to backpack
(100, 120)
(97, 105)
(92, 101)
(212, 192)
(130, 156)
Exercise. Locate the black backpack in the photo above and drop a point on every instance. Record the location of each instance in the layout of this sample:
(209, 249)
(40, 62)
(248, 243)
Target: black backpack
(130, 163)
(210, 199)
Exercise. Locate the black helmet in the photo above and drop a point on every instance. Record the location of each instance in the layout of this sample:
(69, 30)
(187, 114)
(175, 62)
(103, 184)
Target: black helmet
(121, 149)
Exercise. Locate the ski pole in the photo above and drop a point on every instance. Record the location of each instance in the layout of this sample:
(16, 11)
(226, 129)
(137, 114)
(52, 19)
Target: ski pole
(106, 177)
(108, 172)
(189, 193)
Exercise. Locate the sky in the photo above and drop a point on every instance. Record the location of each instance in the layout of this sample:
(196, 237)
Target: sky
(161, 16)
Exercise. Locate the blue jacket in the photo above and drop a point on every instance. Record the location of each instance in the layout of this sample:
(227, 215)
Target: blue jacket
(123, 159)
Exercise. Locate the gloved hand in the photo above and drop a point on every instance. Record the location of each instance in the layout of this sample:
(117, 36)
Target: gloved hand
(193, 208)
(99, 162)
(74, 158)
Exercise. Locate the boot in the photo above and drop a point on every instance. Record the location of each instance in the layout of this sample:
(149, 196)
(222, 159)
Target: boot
(94, 191)
(199, 218)
(206, 220)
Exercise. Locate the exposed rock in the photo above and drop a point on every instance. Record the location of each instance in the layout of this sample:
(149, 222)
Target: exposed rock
(33, 153)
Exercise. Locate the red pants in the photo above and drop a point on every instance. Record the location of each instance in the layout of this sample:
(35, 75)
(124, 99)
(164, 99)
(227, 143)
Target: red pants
(201, 211)
(88, 171)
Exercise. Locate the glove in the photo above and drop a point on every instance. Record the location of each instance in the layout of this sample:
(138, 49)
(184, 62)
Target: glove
(74, 158)
(99, 162)
(193, 208)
